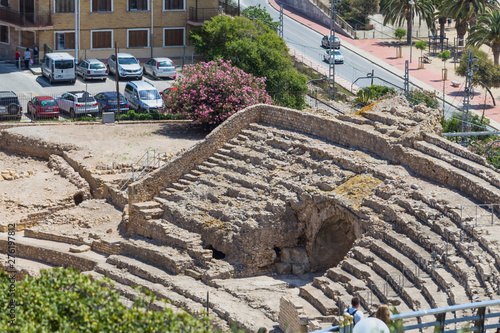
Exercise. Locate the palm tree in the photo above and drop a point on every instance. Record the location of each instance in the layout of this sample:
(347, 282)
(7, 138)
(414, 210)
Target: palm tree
(438, 4)
(487, 31)
(463, 12)
(398, 11)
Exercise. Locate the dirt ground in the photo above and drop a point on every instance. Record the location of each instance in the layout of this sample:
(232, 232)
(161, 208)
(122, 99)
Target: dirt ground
(38, 188)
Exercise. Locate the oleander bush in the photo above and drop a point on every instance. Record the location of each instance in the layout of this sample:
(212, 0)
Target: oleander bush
(417, 96)
(63, 300)
(210, 92)
(489, 149)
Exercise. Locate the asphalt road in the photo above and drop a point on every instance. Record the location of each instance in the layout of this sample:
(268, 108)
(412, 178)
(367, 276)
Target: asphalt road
(308, 42)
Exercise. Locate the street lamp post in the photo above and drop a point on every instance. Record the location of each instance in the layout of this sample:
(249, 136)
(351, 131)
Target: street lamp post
(411, 3)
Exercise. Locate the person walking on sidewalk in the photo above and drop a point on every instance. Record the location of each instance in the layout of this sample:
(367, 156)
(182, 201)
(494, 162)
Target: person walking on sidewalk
(18, 58)
(26, 58)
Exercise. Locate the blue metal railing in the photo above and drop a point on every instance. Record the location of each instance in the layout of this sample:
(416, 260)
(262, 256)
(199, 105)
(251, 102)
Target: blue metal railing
(477, 322)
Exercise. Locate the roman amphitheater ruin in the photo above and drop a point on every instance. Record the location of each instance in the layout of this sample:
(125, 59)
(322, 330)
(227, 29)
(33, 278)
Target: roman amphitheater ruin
(275, 219)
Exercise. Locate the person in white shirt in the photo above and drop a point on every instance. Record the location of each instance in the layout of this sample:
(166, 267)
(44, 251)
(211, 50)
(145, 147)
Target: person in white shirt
(27, 57)
(355, 311)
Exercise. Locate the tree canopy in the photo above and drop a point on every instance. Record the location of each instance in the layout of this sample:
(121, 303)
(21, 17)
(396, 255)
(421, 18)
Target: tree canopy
(256, 49)
(487, 73)
(260, 13)
(487, 31)
(397, 12)
(63, 300)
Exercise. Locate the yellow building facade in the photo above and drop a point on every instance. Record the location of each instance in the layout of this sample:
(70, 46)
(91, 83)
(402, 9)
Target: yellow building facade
(140, 27)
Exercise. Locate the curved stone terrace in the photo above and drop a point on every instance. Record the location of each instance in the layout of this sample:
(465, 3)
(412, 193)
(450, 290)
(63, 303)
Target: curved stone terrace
(279, 215)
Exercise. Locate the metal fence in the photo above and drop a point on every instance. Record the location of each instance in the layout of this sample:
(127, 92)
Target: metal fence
(480, 317)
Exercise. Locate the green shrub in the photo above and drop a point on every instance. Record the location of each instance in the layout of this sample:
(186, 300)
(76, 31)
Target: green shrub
(364, 96)
(492, 155)
(131, 115)
(63, 300)
(417, 96)
(399, 33)
(374, 92)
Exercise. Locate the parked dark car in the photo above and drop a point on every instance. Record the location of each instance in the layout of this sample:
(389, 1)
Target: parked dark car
(107, 102)
(43, 107)
(10, 108)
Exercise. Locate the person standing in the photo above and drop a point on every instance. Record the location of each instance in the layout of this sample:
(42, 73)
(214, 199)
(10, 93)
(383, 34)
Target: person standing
(35, 54)
(355, 311)
(18, 58)
(26, 58)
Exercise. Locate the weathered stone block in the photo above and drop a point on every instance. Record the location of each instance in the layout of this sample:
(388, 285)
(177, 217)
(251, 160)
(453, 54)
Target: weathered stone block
(283, 268)
(298, 269)
(79, 249)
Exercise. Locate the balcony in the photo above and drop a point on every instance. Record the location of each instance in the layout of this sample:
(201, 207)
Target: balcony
(198, 15)
(26, 21)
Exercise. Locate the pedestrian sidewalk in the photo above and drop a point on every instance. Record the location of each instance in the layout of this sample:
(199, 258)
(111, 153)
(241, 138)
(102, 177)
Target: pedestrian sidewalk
(383, 54)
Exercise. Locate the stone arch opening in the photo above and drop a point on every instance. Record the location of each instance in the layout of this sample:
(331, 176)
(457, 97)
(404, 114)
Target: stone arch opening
(78, 198)
(216, 254)
(331, 243)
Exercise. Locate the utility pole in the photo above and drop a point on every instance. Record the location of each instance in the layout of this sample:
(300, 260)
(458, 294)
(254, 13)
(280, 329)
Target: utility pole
(411, 3)
(407, 81)
(331, 72)
(151, 34)
(469, 76)
(280, 27)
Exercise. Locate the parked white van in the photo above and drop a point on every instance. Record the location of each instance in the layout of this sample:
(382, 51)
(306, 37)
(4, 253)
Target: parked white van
(59, 66)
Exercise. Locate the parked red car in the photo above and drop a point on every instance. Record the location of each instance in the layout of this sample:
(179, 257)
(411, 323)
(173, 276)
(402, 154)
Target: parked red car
(43, 107)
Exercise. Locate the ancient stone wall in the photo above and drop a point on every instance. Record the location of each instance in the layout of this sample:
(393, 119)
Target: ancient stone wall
(292, 318)
(149, 186)
(28, 146)
(100, 245)
(50, 256)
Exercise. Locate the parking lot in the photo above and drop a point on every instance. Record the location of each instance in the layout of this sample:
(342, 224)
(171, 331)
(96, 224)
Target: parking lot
(27, 85)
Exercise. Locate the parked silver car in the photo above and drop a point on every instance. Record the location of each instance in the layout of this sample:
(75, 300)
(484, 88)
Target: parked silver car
(128, 66)
(77, 103)
(92, 69)
(160, 67)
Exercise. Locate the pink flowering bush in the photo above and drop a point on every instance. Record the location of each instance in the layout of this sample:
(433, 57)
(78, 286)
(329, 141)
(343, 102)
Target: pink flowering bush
(211, 92)
(489, 149)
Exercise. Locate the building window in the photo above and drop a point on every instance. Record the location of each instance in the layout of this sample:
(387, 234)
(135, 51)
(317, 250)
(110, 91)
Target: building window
(102, 39)
(102, 6)
(138, 37)
(173, 4)
(64, 6)
(173, 36)
(4, 3)
(4, 34)
(65, 41)
(137, 4)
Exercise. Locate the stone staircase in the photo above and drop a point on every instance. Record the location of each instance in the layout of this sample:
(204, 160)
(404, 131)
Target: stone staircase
(410, 254)
(181, 292)
(417, 247)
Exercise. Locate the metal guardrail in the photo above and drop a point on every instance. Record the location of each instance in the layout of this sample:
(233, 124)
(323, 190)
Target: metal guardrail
(481, 321)
(338, 20)
(145, 165)
(476, 217)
